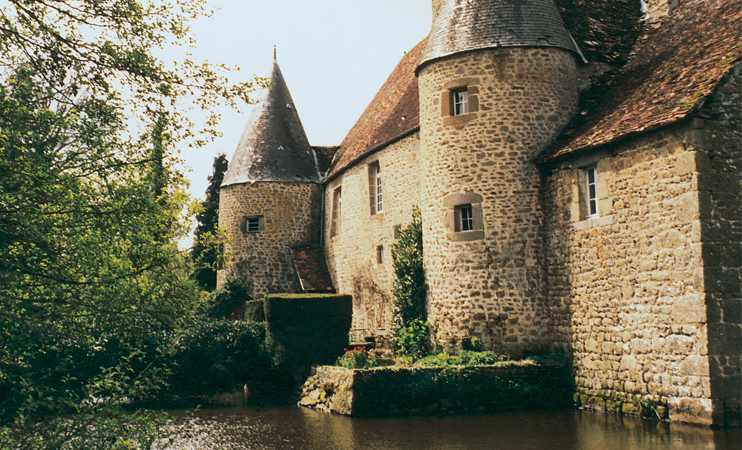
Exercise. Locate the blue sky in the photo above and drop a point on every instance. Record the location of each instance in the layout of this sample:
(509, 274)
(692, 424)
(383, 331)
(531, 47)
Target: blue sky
(334, 55)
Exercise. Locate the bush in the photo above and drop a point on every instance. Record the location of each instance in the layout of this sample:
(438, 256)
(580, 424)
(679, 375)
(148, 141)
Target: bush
(409, 292)
(358, 358)
(464, 358)
(412, 341)
(217, 356)
(225, 300)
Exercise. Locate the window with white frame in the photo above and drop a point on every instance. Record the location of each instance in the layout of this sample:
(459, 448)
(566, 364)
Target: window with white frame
(336, 209)
(374, 188)
(464, 218)
(459, 102)
(589, 191)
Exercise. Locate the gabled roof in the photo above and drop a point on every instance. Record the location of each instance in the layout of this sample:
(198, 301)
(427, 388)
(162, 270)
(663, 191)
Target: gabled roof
(273, 146)
(392, 113)
(669, 75)
(461, 26)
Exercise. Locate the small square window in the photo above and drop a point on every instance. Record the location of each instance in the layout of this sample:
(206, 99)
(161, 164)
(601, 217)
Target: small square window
(252, 224)
(380, 254)
(464, 218)
(459, 102)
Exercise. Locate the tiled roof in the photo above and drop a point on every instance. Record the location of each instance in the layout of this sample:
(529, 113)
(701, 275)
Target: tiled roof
(309, 261)
(672, 71)
(273, 146)
(461, 26)
(606, 30)
(393, 112)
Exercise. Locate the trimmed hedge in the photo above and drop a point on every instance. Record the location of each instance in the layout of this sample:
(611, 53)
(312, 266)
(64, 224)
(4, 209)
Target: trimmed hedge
(308, 329)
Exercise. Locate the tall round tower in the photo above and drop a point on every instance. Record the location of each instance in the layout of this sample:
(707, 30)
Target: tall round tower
(270, 199)
(498, 81)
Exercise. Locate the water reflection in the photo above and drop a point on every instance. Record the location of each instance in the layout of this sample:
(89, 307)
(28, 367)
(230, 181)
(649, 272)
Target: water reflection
(303, 429)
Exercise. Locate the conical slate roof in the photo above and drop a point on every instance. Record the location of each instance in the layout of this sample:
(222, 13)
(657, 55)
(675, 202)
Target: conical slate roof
(464, 25)
(273, 146)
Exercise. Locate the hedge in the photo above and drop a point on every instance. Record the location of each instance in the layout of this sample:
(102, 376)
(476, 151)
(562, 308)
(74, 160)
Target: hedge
(308, 329)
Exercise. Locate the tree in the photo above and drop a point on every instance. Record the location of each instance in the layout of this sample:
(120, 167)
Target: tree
(409, 302)
(91, 207)
(206, 252)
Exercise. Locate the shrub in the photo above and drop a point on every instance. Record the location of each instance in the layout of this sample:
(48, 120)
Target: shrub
(358, 358)
(412, 340)
(225, 300)
(409, 292)
(216, 356)
(464, 358)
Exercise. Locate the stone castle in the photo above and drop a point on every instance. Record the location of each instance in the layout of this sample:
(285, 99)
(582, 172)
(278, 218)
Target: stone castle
(578, 169)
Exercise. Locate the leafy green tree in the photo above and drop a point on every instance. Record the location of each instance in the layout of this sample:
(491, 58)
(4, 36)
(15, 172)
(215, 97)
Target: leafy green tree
(409, 307)
(91, 206)
(206, 252)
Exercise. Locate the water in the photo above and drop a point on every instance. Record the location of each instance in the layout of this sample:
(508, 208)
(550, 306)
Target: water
(303, 429)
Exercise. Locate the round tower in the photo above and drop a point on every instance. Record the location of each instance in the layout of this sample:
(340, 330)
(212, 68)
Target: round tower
(270, 199)
(498, 81)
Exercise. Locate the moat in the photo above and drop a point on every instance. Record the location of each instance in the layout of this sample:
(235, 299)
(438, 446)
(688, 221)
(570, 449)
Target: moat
(296, 428)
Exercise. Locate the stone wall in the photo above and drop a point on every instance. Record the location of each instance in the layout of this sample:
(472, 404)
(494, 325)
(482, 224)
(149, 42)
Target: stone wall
(629, 290)
(352, 252)
(291, 214)
(488, 282)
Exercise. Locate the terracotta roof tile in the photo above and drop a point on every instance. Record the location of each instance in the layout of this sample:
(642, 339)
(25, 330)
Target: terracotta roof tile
(309, 261)
(393, 112)
(674, 68)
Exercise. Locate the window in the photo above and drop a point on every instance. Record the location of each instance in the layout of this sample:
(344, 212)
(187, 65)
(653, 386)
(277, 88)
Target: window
(252, 224)
(395, 231)
(336, 208)
(374, 188)
(590, 191)
(464, 218)
(460, 102)
(380, 254)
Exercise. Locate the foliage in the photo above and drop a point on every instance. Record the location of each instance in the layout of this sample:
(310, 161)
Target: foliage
(222, 302)
(92, 205)
(217, 356)
(308, 329)
(464, 358)
(357, 358)
(412, 340)
(409, 292)
(206, 251)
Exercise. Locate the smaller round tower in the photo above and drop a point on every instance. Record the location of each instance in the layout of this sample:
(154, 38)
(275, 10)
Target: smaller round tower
(270, 199)
(498, 81)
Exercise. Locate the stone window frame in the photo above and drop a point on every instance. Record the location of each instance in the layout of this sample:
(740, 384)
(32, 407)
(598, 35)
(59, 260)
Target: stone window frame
(252, 224)
(454, 204)
(379, 254)
(337, 194)
(448, 108)
(375, 188)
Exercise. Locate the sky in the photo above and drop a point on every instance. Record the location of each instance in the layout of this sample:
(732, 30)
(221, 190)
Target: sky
(334, 55)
